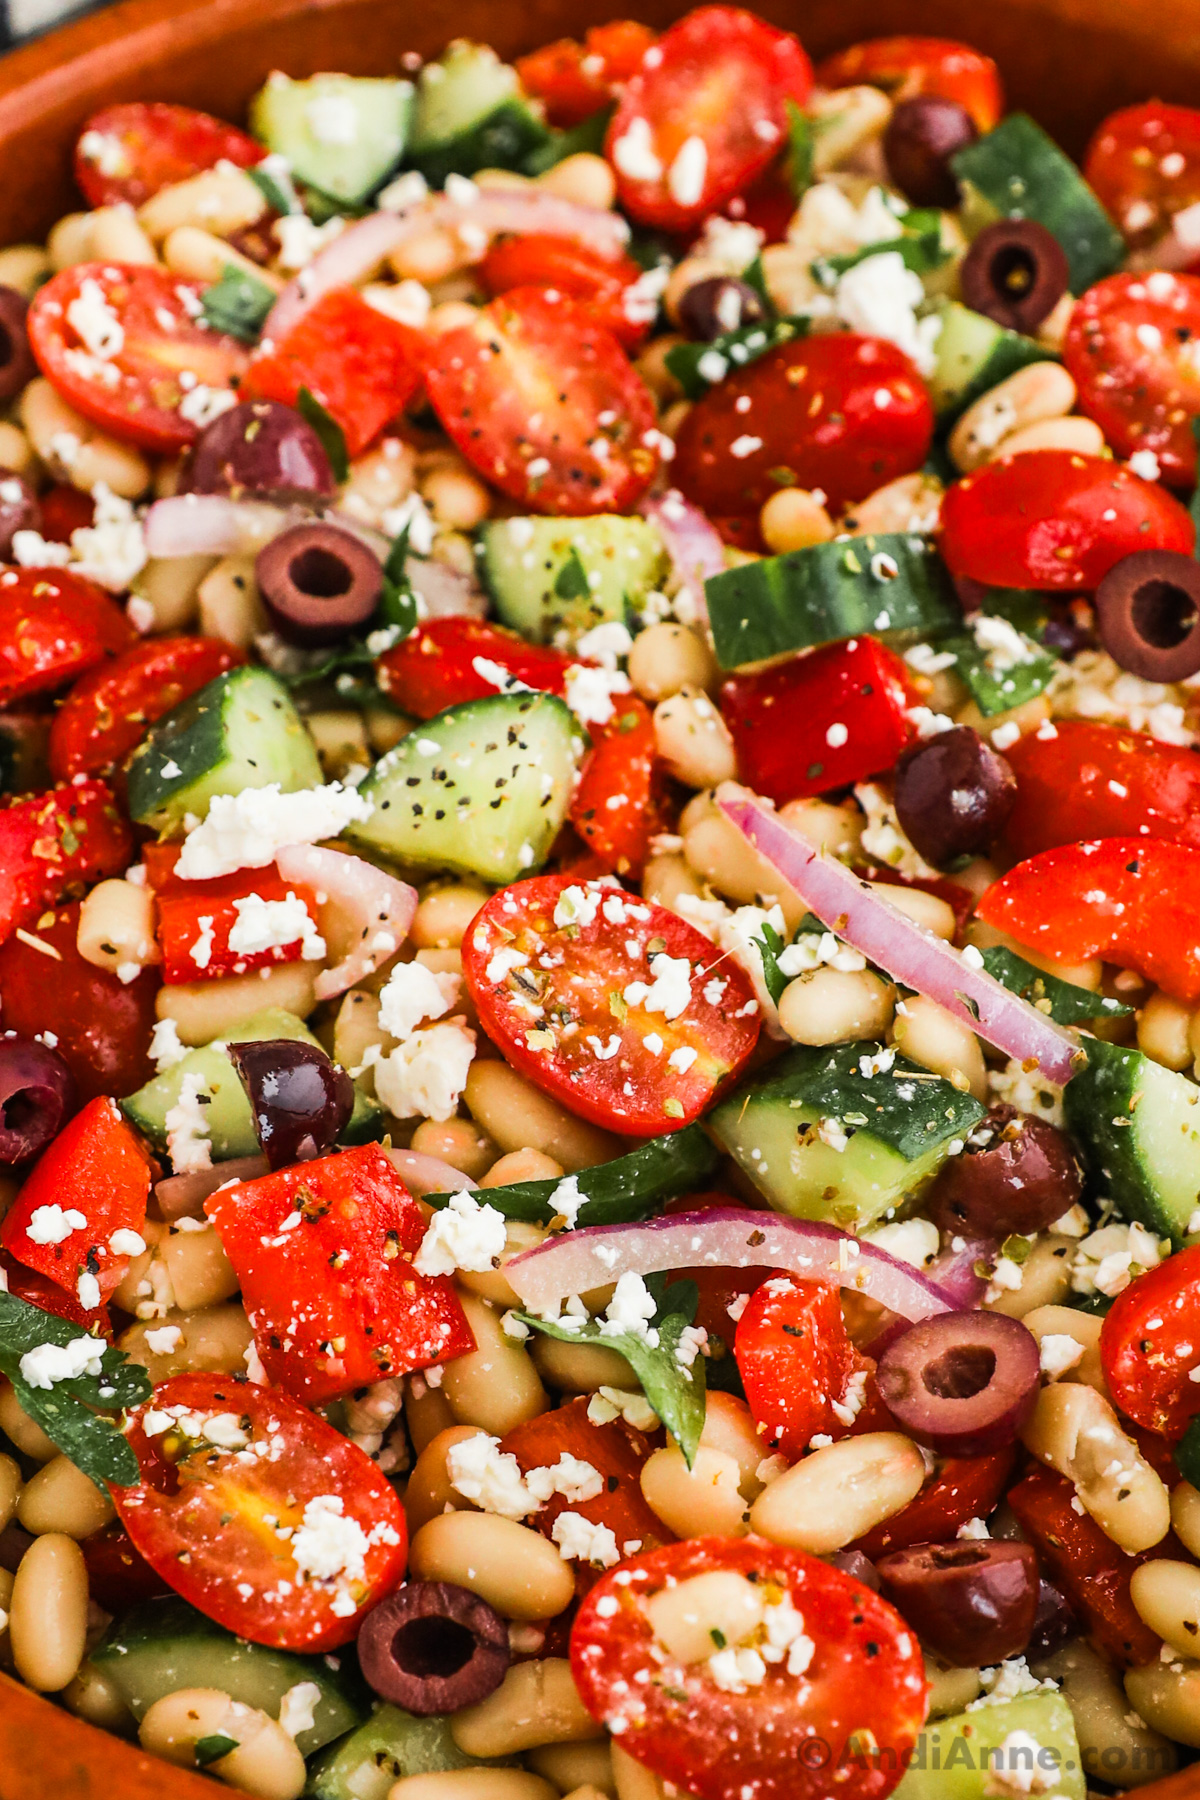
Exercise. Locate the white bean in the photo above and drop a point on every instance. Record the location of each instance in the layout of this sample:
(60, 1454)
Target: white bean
(839, 1492)
(536, 1703)
(1076, 1431)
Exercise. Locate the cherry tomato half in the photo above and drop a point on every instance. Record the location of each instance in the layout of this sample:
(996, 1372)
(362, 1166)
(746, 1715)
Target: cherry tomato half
(619, 803)
(1144, 163)
(105, 715)
(1055, 520)
(53, 627)
(574, 80)
(1099, 781)
(1150, 1343)
(600, 284)
(1132, 348)
(614, 1006)
(907, 66)
(127, 152)
(436, 665)
(200, 1513)
(799, 1734)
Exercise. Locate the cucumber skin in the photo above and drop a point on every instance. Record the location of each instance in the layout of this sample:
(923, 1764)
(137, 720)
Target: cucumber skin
(277, 116)
(1118, 1155)
(960, 377)
(948, 1762)
(626, 553)
(506, 139)
(390, 1744)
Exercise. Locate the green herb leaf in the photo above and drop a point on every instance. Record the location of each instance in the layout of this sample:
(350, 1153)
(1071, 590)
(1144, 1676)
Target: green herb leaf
(398, 602)
(571, 582)
(756, 277)
(212, 1749)
(801, 140)
(631, 1187)
(771, 947)
(1061, 1001)
(922, 252)
(327, 429)
(237, 304)
(353, 654)
(732, 350)
(997, 690)
(276, 189)
(586, 138)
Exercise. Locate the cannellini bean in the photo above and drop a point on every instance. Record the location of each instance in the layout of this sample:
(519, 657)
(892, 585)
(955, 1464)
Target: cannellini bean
(668, 658)
(693, 739)
(703, 1501)
(117, 928)
(536, 1703)
(1082, 437)
(910, 503)
(1113, 1745)
(1167, 1597)
(24, 267)
(1163, 1026)
(931, 1036)
(201, 255)
(847, 119)
(1068, 1322)
(74, 449)
(1167, 1697)
(837, 1493)
(47, 1614)
(1076, 1431)
(1042, 390)
(1185, 1515)
(836, 1006)
(220, 200)
(586, 179)
(515, 1569)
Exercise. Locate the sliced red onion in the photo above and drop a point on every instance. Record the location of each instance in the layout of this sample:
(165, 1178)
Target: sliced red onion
(724, 1238)
(429, 1174)
(212, 525)
(359, 907)
(443, 592)
(183, 1196)
(523, 210)
(692, 543)
(954, 1271)
(859, 915)
(350, 259)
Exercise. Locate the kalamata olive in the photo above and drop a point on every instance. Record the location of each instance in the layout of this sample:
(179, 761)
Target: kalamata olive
(16, 358)
(300, 1100)
(953, 794)
(432, 1647)
(318, 582)
(1148, 614)
(1054, 1622)
(1017, 1173)
(964, 1383)
(19, 511)
(1069, 630)
(259, 447)
(718, 304)
(853, 1562)
(973, 1601)
(1015, 272)
(922, 135)
(37, 1097)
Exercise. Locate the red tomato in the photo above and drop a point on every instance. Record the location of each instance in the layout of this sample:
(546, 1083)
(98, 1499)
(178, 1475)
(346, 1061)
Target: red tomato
(212, 1519)
(38, 1289)
(97, 1166)
(195, 919)
(863, 1686)
(797, 1364)
(127, 152)
(964, 1487)
(102, 1027)
(435, 667)
(333, 1298)
(816, 418)
(769, 205)
(1099, 781)
(58, 843)
(53, 627)
(363, 367)
(105, 715)
(1144, 163)
(906, 66)
(156, 340)
(1150, 1343)
(602, 1014)
(1056, 520)
(618, 804)
(1133, 901)
(65, 509)
(1131, 349)
(600, 285)
(118, 1574)
(704, 115)
(573, 80)
(529, 389)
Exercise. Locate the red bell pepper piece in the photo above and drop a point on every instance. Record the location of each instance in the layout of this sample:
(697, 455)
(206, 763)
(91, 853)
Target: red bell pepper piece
(99, 1169)
(1148, 1346)
(54, 626)
(823, 720)
(324, 1255)
(1132, 901)
(38, 1290)
(965, 1487)
(195, 919)
(106, 714)
(1086, 781)
(435, 667)
(797, 1364)
(574, 80)
(55, 842)
(363, 367)
(617, 807)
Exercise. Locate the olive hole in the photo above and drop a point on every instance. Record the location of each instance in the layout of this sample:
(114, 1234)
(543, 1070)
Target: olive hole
(1163, 614)
(7, 348)
(320, 573)
(20, 1110)
(961, 1372)
(1013, 271)
(433, 1646)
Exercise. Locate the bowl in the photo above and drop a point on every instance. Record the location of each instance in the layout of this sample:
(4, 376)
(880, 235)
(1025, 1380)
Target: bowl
(1069, 62)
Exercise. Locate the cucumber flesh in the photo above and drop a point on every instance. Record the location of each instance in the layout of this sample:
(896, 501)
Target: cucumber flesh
(471, 115)
(241, 731)
(343, 134)
(553, 579)
(972, 354)
(1138, 1125)
(390, 1744)
(959, 1758)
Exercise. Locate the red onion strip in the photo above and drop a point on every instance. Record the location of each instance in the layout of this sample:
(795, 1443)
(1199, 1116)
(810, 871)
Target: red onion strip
(359, 907)
(183, 1196)
(692, 543)
(352, 257)
(429, 1174)
(859, 915)
(212, 525)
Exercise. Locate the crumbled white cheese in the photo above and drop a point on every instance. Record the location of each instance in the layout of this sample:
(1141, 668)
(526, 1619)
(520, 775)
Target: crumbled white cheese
(581, 1541)
(1106, 1262)
(609, 1403)
(1058, 1351)
(688, 172)
(879, 297)
(413, 993)
(489, 1477)
(1016, 1769)
(1028, 1091)
(53, 1224)
(297, 1709)
(670, 990)
(425, 1076)
(576, 1480)
(914, 1241)
(248, 829)
(633, 152)
(47, 1364)
(272, 925)
(630, 1310)
(883, 836)
(163, 1342)
(589, 692)
(735, 1670)
(577, 905)
(165, 1047)
(94, 321)
(328, 1546)
(187, 1128)
(461, 1235)
(1093, 686)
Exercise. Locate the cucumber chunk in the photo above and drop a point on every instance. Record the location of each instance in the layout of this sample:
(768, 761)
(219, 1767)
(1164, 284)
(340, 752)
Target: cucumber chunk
(482, 788)
(892, 585)
(553, 579)
(343, 134)
(241, 731)
(972, 354)
(471, 115)
(391, 1744)
(1138, 1125)
(164, 1645)
(959, 1758)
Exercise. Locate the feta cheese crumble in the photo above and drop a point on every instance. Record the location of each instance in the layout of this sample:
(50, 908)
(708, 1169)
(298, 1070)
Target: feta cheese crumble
(247, 830)
(462, 1235)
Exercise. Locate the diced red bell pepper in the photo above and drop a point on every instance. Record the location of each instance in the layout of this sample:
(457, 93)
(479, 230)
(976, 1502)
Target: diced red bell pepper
(196, 918)
(823, 720)
(324, 1253)
(618, 806)
(437, 665)
(106, 714)
(1132, 901)
(53, 627)
(797, 1364)
(99, 1169)
(575, 80)
(1082, 780)
(55, 842)
(362, 366)
(32, 1286)
(965, 1487)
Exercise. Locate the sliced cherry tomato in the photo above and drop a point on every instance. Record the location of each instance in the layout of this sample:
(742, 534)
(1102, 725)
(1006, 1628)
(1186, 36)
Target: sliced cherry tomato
(1133, 901)
(837, 411)
(122, 343)
(1055, 520)
(1150, 1343)
(97, 1167)
(1131, 348)
(801, 1373)
(618, 805)
(128, 152)
(769, 205)
(53, 627)
(964, 1487)
(198, 919)
(907, 66)
(546, 405)
(118, 1574)
(1086, 781)
(101, 1026)
(616, 1007)
(439, 665)
(58, 843)
(600, 285)
(246, 1497)
(362, 366)
(38, 1289)
(323, 1253)
(864, 1680)
(574, 80)
(1144, 163)
(105, 715)
(704, 115)
(65, 509)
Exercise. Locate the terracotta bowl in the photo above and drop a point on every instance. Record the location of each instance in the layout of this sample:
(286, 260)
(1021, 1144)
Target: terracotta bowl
(1067, 61)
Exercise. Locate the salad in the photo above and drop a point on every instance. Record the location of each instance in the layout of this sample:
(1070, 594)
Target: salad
(599, 932)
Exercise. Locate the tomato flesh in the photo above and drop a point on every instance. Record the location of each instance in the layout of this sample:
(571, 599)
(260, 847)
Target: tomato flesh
(106, 713)
(436, 666)
(618, 804)
(1098, 781)
(1148, 1345)
(1132, 348)
(58, 843)
(1144, 164)
(53, 627)
(907, 66)
(574, 80)
(600, 284)
(127, 152)
(797, 1364)
(964, 1487)
(39, 1290)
